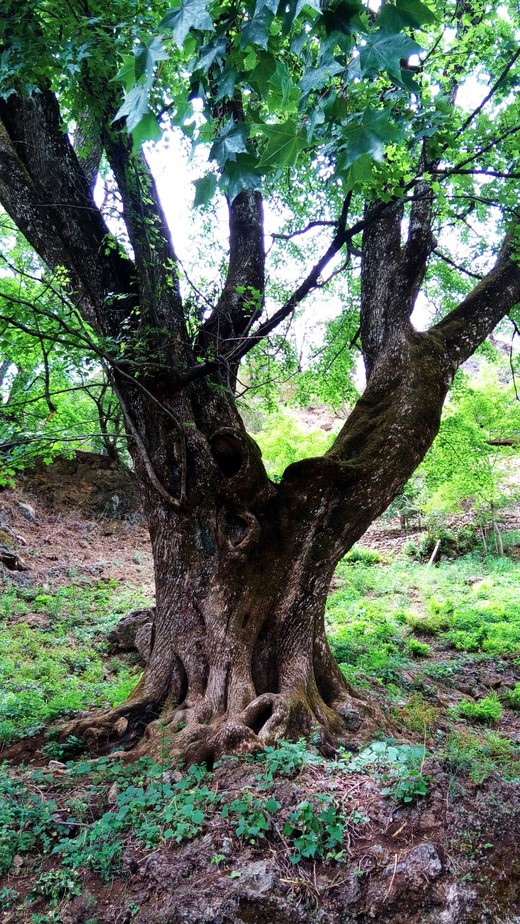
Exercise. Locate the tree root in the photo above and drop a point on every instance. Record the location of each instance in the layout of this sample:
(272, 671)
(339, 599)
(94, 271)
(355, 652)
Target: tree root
(192, 733)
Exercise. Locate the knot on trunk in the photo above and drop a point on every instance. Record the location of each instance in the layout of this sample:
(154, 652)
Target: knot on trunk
(239, 530)
(239, 460)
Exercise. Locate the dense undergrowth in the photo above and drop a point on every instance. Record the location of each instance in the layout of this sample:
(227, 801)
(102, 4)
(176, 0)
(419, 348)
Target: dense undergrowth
(415, 638)
(53, 653)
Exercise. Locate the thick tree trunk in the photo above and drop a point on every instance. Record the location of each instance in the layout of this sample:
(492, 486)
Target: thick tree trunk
(243, 566)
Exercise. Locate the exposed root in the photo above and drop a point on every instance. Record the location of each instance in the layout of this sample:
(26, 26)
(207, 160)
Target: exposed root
(122, 726)
(192, 735)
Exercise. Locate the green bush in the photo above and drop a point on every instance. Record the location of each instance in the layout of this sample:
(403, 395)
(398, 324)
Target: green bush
(488, 710)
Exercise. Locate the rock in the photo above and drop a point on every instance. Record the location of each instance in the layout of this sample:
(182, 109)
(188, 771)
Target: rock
(121, 725)
(123, 635)
(351, 718)
(57, 766)
(12, 561)
(420, 864)
(26, 510)
(458, 902)
(113, 793)
(143, 641)
(227, 846)
(257, 878)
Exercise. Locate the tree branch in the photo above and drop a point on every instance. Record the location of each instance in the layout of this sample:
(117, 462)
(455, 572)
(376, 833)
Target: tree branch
(490, 301)
(241, 302)
(46, 193)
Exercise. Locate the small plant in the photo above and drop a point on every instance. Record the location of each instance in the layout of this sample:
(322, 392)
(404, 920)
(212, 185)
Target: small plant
(285, 760)
(418, 649)
(482, 755)
(512, 697)
(315, 830)
(8, 897)
(417, 715)
(398, 766)
(487, 711)
(251, 817)
(365, 556)
(56, 884)
(64, 750)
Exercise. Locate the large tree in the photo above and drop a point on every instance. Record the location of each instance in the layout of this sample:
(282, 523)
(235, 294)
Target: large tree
(355, 117)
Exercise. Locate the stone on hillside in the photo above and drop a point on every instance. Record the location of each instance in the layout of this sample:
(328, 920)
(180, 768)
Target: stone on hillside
(26, 510)
(133, 632)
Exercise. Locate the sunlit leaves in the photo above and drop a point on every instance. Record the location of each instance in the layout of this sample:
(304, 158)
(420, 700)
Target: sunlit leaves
(135, 106)
(191, 14)
(230, 141)
(411, 13)
(382, 52)
(205, 188)
(284, 143)
(146, 56)
(367, 133)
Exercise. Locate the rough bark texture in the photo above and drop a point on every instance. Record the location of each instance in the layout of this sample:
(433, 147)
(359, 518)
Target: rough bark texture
(242, 565)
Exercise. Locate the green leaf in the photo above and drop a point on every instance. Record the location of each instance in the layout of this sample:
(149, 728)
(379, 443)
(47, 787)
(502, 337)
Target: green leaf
(417, 13)
(146, 56)
(344, 17)
(191, 14)
(230, 141)
(256, 31)
(367, 135)
(315, 78)
(226, 84)
(240, 175)
(283, 95)
(383, 52)
(204, 189)
(214, 51)
(126, 73)
(271, 5)
(284, 144)
(147, 129)
(134, 107)
(260, 78)
(359, 173)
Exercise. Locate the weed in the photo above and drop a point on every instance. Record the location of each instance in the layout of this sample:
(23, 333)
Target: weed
(285, 759)
(251, 817)
(487, 711)
(55, 885)
(482, 755)
(8, 897)
(512, 697)
(398, 767)
(418, 649)
(315, 830)
(417, 715)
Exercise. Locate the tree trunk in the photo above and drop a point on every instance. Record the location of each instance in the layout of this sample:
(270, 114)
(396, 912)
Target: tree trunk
(243, 565)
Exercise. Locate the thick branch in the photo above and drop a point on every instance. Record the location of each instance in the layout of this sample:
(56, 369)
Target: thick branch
(241, 301)
(490, 301)
(46, 193)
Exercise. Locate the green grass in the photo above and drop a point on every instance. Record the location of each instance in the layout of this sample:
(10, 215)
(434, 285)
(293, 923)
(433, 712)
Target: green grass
(384, 615)
(51, 670)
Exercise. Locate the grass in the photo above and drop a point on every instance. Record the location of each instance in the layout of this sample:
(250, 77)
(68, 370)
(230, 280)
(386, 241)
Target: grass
(394, 626)
(53, 653)
(384, 615)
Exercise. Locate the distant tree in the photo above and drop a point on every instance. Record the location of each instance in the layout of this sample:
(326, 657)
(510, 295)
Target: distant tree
(356, 123)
